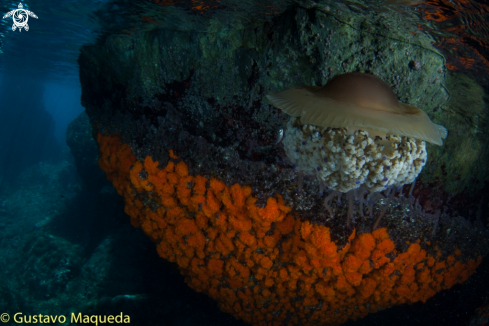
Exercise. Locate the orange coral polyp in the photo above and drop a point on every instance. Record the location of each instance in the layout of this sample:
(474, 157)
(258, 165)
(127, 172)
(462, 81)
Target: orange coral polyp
(256, 262)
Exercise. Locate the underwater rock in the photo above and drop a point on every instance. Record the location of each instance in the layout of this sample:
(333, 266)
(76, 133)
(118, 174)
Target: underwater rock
(481, 317)
(187, 138)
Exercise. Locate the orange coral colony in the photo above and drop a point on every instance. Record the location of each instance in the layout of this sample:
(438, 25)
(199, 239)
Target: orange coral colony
(263, 265)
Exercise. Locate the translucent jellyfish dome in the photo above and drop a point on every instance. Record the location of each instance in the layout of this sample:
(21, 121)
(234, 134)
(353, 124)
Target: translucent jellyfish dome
(353, 132)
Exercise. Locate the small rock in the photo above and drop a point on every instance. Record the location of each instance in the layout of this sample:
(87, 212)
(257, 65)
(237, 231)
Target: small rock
(415, 65)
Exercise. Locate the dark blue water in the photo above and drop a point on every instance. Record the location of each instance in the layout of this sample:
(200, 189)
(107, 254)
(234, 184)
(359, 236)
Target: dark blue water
(50, 48)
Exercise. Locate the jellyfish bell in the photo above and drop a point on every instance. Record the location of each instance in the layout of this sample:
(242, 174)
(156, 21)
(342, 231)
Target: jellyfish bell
(358, 100)
(353, 132)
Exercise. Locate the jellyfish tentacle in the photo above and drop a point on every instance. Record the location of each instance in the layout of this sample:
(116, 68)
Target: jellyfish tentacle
(327, 200)
(384, 209)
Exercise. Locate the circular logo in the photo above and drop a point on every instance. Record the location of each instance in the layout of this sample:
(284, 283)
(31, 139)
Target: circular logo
(20, 18)
(4, 318)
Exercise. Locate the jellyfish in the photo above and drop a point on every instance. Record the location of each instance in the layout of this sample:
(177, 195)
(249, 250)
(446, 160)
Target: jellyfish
(353, 133)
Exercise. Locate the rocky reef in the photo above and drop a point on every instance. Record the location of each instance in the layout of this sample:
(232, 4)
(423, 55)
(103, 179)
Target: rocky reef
(187, 137)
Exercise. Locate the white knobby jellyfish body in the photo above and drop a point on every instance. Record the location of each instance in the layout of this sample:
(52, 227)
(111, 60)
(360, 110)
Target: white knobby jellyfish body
(353, 132)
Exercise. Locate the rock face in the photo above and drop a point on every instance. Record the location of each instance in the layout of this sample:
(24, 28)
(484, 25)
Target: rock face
(188, 139)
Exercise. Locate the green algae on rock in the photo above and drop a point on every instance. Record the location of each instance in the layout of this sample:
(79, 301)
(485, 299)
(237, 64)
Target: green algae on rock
(461, 164)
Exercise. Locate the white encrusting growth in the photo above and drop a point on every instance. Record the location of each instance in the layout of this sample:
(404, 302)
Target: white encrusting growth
(345, 159)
